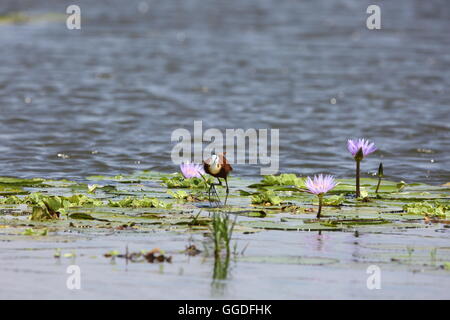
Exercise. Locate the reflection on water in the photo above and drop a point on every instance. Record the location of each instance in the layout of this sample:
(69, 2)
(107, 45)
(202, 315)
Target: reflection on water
(221, 229)
(220, 274)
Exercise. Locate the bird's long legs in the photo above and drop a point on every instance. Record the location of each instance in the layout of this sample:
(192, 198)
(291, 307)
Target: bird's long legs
(228, 191)
(212, 190)
(214, 193)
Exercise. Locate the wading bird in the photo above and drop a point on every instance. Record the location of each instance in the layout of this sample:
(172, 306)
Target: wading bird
(218, 167)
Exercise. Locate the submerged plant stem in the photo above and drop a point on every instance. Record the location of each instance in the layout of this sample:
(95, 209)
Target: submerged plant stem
(378, 185)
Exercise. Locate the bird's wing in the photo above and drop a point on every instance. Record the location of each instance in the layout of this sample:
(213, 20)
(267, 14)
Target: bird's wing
(223, 161)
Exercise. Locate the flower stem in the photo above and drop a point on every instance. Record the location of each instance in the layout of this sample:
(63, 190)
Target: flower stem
(380, 175)
(358, 192)
(320, 205)
(378, 185)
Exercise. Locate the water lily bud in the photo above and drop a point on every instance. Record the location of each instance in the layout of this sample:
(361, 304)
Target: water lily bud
(380, 171)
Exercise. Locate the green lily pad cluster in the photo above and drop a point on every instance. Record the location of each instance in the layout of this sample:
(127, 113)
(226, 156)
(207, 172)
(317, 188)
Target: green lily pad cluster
(126, 199)
(267, 198)
(427, 208)
(50, 207)
(284, 179)
(178, 181)
(145, 202)
(334, 200)
(33, 232)
(182, 195)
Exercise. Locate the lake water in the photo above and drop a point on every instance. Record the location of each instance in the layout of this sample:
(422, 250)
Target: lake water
(105, 100)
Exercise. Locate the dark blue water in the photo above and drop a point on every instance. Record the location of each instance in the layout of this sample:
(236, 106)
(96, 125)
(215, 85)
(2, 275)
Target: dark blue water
(106, 98)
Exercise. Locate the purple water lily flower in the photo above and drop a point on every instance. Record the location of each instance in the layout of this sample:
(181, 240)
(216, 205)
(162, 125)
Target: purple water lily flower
(367, 147)
(191, 170)
(359, 149)
(320, 185)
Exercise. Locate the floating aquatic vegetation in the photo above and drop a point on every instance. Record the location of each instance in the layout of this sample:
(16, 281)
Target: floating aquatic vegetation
(189, 197)
(145, 202)
(69, 255)
(83, 216)
(132, 213)
(43, 213)
(47, 207)
(335, 200)
(33, 232)
(11, 190)
(178, 181)
(117, 178)
(355, 222)
(280, 225)
(266, 198)
(55, 203)
(17, 182)
(364, 195)
(112, 253)
(284, 179)
(430, 209)
(93, 187)
(289, 207)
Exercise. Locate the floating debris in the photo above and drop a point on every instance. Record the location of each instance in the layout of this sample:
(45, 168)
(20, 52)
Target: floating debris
(63, 156)
(152, 256)
(156, 255)
(192, 250)
(428, 151)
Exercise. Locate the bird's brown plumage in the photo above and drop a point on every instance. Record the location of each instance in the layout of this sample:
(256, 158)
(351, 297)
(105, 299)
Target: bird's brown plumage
(225, 166)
